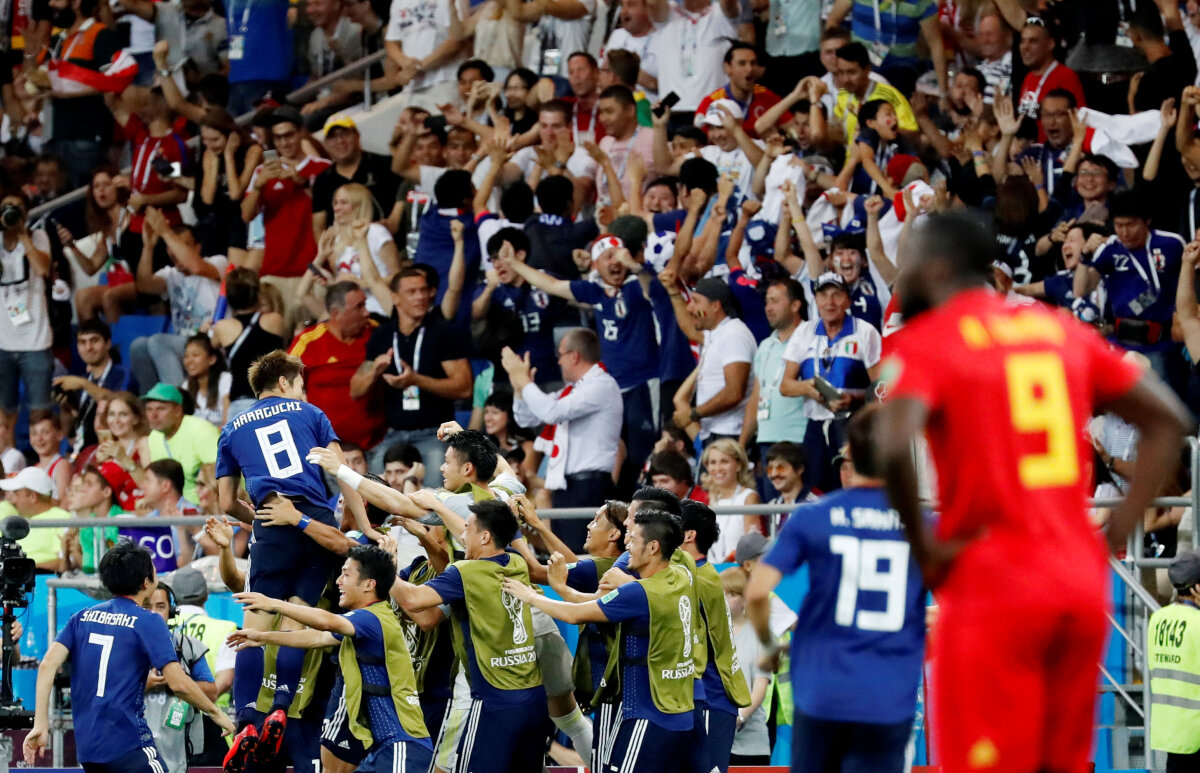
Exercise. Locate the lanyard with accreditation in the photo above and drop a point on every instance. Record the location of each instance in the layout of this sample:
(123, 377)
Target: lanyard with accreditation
(411, 397)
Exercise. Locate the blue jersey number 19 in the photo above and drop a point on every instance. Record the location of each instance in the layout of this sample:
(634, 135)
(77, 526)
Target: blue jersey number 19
(106, 642)
(281, 444)
(860, 572)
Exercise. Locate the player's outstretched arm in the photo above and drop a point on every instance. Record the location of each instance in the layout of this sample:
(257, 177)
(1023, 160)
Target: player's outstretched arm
(378, 494)
(1162, 421)
(182, 685)
(36, 741)
(588, 612)
(414, 598)
(307, 639)
(304, 615)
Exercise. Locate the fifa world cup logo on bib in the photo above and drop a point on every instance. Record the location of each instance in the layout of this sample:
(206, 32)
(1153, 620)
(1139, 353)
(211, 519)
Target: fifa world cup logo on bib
(685, 617)
(514, 606)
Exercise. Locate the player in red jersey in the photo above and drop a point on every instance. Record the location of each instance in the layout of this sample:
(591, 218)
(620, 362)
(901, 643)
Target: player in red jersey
(1003, 394)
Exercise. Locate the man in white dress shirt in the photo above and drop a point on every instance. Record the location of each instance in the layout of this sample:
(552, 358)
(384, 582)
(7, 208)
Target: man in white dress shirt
(583, 425)
(696, 34)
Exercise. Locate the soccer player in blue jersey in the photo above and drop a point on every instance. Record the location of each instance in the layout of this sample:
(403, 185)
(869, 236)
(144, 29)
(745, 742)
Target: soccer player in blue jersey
(111, 648)
(858, 645)
(263, 445)
(382, 705)
(655, 611)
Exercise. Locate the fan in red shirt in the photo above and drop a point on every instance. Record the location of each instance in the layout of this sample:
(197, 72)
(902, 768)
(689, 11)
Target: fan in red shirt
(1003, 394)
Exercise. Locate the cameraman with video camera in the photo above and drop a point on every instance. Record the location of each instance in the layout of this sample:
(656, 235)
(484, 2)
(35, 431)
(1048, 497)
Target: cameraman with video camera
(25, 338)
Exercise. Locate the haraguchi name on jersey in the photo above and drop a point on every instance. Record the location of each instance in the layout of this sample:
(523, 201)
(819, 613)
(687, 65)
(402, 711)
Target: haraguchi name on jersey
(268, 412)
(681, 671)
(865, 518)
(108, 618)
(515, 657)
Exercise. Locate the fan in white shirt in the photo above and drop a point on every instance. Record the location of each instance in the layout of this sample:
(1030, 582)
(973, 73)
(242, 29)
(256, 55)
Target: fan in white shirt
(638, 34)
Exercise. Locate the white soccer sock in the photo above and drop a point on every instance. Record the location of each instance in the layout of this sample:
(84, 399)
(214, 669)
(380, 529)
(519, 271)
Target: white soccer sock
(579, 729)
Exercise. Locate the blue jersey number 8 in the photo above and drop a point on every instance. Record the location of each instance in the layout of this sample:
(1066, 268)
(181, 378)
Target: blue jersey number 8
(281, 444)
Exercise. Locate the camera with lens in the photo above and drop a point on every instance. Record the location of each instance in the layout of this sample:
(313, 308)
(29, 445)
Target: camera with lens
(17, 571)
(11, 215)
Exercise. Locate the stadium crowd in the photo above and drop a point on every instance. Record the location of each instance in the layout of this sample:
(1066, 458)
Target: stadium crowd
(644, 251)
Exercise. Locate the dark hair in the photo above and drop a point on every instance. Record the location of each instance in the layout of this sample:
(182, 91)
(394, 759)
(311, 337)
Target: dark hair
(555, 194)
(980, 80)
(219, 120)
(855, 53)
(700, 518)
(659, 497)
(169, 470)
(335, 294)
(1090, 229)
(266, 371)
(125, 569)
(959, 238)
(860, 434)
(699, 173)
(215, 90)
(516, 202)
(556, 106)
(738, 46)
(432, 278)
(615, 512)
(98, 219)
(375, 563)
(1110, 167)
(485, 69)
(789, 453)
(693, 133)
(1062, 94)
(527, 76)
(1148, 21)
(1130, 203)
(242, 288)
(408, 272)
(493, 516)
(870, 110)
(620, 93)
(454, 189)
(661, 527)
(844, 241)
(590, 59)
(632, 231)
(95, 326)
(1016, 204)
(473, 446)
(794, 289)
(585, 341)
(212, 392)
(514, 236)
(672, 464)
(624, 65)
(402, 452)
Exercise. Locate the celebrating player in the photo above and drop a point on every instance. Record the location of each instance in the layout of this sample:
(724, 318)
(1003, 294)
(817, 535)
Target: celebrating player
(112, 647)
(1014, 684)
(263, 445)
(381, 703)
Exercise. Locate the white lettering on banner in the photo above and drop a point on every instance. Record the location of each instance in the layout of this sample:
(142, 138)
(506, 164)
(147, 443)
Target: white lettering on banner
(156, 545)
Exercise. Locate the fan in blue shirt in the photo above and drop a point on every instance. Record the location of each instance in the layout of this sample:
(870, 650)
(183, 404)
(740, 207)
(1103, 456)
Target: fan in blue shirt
(860, 639)
(1139, 268)
(111, 648)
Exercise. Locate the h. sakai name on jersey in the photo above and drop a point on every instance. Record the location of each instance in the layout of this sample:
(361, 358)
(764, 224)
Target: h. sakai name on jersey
(865, 518)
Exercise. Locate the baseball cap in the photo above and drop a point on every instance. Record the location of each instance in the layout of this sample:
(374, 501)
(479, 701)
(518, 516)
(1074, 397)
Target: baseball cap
(712, 116)
(830, 279)
(339, 121)
(163, 393)
(714, 289)
(189, 586)
(33, 479)
(1183, 572)
(750, 546)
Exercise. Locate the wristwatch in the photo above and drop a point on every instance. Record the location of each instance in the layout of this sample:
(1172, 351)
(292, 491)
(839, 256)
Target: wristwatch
(694, 415)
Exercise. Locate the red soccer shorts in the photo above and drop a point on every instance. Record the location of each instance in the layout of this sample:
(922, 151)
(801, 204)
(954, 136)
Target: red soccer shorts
(1014, 681)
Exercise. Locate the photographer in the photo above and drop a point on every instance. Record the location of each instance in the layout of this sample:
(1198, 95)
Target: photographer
(24, 322)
